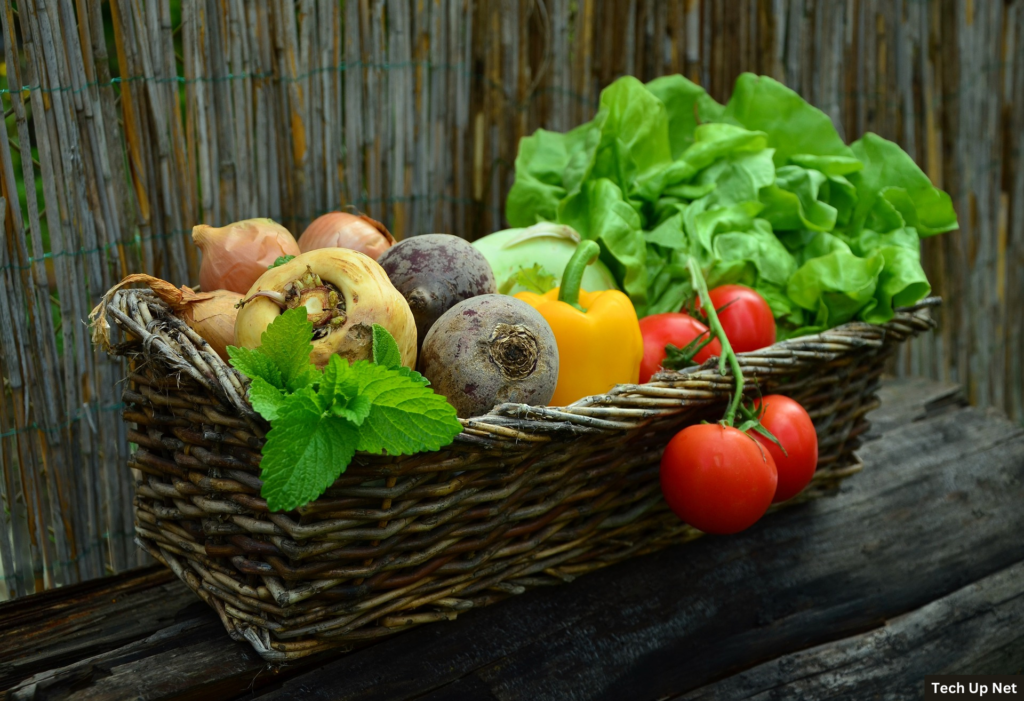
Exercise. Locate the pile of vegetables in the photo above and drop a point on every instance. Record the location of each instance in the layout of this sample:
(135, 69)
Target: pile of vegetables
(795, 231)
(329, 339)
(353, 342)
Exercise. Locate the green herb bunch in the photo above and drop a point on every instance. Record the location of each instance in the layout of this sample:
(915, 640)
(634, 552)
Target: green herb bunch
(320, 419)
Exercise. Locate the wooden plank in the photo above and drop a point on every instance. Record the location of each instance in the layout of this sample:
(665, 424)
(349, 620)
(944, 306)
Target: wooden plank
(110, 634)
(985, 618)
(193, 664)
(676, 620)
(61, 626)
(909, 399)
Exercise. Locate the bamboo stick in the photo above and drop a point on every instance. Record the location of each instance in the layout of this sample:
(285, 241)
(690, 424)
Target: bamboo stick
(18, 558)
(10, 518)
(87, 279)
(353, 113)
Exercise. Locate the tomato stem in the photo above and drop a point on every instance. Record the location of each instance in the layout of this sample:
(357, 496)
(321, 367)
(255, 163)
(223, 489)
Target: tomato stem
(728, 356)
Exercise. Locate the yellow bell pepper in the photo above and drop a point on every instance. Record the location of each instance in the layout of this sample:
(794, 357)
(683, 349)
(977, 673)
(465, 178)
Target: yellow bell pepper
(598, 333)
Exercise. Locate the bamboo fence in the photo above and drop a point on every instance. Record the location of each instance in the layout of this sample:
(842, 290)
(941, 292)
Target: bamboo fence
(137, 119)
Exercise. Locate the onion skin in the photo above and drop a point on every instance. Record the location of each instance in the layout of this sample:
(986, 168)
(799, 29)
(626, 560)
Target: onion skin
(344, 230)
(234, 256)
(210, 314)
(214, 319)
(369, 297)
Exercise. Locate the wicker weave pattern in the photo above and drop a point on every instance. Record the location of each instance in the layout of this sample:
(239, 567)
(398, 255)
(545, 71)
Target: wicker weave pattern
(525, 496)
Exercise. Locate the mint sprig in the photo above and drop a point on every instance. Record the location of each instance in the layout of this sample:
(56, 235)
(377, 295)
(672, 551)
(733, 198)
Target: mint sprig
(305, 452)
(386, 353)
(319, 419)
(385, 348)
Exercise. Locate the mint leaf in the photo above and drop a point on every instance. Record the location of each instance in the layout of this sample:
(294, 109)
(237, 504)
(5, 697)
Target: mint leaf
(318, 420)
(404, 418)
(253, 363)
(385, 348)
(356, 410)
(386, 353)
(413, 375)
(306, 450)
(338, 383)
(265, 398)
(280, 260)
(287, 343)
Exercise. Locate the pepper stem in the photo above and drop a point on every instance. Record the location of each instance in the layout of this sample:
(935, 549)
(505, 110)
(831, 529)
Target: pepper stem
(569, 291)
(728, 355)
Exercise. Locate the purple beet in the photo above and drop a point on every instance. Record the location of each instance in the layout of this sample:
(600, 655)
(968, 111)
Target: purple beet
(435, 272)
(489, 350)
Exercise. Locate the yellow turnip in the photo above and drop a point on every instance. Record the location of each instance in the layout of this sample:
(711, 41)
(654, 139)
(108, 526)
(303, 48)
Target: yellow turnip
(344, 293)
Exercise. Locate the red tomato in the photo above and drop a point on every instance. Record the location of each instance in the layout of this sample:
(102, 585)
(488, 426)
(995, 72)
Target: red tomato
(676, 328)
(747, 321)
(716, 478)
(790, 423)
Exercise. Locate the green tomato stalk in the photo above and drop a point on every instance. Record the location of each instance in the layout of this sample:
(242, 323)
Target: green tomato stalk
(728, 355)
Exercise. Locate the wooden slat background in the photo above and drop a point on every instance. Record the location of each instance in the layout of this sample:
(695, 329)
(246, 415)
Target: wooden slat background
(220, 110)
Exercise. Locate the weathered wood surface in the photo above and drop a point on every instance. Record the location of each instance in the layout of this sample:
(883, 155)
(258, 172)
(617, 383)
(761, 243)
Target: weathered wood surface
(65, 625)
(413, 111)
(914, 568)
(978, 629)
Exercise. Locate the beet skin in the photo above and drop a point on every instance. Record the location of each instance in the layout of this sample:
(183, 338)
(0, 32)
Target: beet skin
(434, 272)
(489, 350)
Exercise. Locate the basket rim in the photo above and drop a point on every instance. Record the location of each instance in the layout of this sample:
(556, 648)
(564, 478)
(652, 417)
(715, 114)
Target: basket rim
(623, 407)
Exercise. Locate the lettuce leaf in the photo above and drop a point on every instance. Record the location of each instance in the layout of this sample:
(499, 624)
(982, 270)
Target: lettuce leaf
(626, 143)
(599, 212)
(792, 203)
(687, 105)
(540, 166)
(792, 124)
(894, 189)
(836, 286)
(761, 191)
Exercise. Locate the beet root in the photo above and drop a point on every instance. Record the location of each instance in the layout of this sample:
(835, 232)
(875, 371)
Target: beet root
(435, 271)
(489, 350)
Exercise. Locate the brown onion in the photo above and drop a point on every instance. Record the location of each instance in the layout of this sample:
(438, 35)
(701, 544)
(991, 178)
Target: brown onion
(344, 230)
(234, 256)
(210, 314)
(214, 319)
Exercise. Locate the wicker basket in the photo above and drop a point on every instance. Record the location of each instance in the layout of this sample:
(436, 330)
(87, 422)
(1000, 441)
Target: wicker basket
(524, 497)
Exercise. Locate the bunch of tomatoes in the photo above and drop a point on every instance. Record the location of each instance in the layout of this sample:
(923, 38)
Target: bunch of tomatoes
(716, 477)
